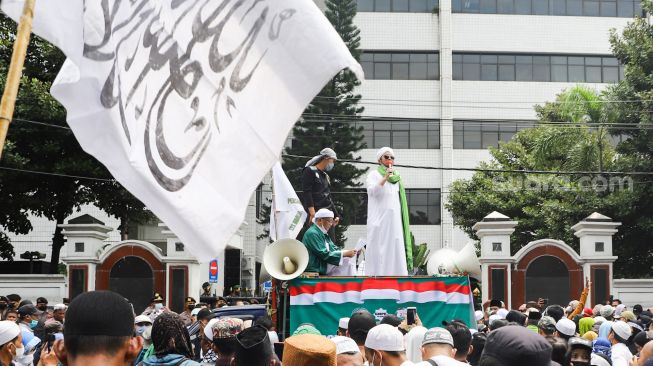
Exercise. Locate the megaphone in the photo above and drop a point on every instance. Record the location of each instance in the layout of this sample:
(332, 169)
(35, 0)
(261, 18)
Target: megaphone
(285, 259)
(447, 260)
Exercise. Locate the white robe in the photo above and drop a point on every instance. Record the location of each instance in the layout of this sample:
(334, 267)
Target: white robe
(385, 254)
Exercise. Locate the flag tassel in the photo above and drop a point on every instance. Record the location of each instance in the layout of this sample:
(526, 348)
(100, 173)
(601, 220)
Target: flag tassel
(15, 70)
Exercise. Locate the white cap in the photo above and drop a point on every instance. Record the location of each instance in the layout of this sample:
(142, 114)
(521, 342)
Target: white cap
(597, 360)
(618, 310)
(478, 315)
(345, 345)
(502, 313)
(323, 213)
(566, 327)
(59, 307)
(142, 319)
(343, 323)
(492, 318)
(599, 319)
(622, 329)
(383, 150)
(195, 311)
(208, 329)
(10, 330)
(385, 337)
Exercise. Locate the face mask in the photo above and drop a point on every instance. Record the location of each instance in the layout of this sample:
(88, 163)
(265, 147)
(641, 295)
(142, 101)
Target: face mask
(329, 166)
(158, 306)
(140, 330)
(33, 323)
(580, 363)
(19, 353)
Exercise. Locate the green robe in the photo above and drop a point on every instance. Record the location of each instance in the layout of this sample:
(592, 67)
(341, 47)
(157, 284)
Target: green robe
(318, 256)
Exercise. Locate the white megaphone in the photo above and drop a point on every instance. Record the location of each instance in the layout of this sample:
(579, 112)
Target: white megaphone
(447, 260)
(285, 259)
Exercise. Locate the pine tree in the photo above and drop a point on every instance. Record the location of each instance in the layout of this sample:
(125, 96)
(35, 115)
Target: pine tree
(329, 121)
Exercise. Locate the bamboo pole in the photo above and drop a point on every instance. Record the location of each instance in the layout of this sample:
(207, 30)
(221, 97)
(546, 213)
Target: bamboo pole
(15, 70)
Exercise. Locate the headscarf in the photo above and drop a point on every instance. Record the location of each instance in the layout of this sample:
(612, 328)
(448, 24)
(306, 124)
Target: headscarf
(603, 346)
(324, 153)
(413, 340)
(604, 329)
(585, 325)
(170, 336)
(590, 335)
(380, 152)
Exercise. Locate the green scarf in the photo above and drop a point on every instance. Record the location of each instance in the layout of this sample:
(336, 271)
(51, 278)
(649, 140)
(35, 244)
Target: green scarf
(405, 218)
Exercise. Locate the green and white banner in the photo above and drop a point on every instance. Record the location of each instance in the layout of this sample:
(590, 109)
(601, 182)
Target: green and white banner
(323, 301)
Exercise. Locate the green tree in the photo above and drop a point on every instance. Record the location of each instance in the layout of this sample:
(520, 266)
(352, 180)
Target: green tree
(546, 206)
(631, 103)
(328, 122)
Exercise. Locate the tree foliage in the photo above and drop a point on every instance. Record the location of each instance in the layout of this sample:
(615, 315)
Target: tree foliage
(328, 122)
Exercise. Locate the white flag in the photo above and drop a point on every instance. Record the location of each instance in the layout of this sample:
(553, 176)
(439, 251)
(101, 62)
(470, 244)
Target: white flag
(287, 215)
(188, 102)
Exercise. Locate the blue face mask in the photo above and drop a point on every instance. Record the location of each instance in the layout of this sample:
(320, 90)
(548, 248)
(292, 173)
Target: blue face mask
(33, 324)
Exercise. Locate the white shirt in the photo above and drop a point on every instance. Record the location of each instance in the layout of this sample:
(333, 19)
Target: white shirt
(621, 355)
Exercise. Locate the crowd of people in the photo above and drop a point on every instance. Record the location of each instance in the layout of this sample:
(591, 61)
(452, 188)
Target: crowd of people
(100, 328)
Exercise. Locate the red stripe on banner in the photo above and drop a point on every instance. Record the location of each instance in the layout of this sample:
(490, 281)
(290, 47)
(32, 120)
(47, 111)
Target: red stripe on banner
(379, 284)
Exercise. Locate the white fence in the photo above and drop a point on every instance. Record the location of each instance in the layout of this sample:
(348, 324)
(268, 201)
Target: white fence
(631, 292)
(31, 286)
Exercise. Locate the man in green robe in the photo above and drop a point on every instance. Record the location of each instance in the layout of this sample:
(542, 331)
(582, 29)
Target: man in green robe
(321, 250)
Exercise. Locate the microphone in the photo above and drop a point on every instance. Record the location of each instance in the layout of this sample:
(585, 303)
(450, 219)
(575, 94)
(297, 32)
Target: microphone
(390, 167)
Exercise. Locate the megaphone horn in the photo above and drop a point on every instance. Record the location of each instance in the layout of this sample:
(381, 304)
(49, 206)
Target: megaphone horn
(285, 259)
(467, 261)
(447, 260)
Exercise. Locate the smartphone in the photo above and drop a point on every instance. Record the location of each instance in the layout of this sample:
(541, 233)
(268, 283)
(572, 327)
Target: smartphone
(410, 315)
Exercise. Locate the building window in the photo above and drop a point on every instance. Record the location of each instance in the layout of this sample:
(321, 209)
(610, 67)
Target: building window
(423, 206)
(179, 247)
(397, 6)
(483, 134)
(599, 246)
(259, 200)
(590, 8)
(496, 247)
(401, 65)
(543, 68)
(79, 247)
(412, 134)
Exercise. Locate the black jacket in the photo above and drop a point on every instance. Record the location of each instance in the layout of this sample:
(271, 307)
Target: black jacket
(316, 191)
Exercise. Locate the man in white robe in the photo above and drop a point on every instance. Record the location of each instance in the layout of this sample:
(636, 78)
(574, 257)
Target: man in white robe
(386, 249)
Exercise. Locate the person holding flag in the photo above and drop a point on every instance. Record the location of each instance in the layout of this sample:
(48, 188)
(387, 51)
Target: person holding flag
(389, 242)
(321, 250)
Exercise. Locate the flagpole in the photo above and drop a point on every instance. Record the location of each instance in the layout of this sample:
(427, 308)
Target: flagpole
(15, 70)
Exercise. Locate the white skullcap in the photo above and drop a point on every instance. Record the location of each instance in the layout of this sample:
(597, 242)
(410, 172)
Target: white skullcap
(622, 330)
(502, 313)
(60, 307)
(323, 213)
(383, 150)
(385, 337)
(343, 323)
(478, 315)
(195, 311)
(345, 345)
(142, 319)
(566, 327)
(10, 330)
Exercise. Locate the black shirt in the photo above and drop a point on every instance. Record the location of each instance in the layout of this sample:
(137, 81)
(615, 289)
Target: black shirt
(317, 194)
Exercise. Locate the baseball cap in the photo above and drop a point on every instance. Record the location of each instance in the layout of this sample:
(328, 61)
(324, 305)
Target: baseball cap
(547, 323)
(566, 327)
(345, 345)
(437, 335)
(142, 319)
(385, 337)
(28, 310)
(622, 330)
(628, 315)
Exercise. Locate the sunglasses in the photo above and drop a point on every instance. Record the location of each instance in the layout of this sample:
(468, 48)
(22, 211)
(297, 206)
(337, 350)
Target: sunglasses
(388, 157)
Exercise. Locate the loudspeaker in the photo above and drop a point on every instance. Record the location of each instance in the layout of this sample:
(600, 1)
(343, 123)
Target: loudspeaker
(447, 260)
(285, 259)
